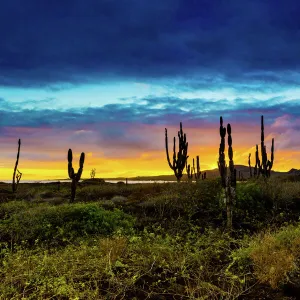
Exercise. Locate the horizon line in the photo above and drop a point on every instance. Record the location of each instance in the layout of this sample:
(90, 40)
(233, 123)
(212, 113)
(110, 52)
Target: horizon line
(123, 177)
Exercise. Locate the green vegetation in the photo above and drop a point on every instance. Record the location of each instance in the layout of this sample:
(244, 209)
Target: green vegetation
(150, 241)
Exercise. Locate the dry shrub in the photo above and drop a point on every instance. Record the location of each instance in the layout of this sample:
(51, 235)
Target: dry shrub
(295, 248)
(272, 261)
(113, 248)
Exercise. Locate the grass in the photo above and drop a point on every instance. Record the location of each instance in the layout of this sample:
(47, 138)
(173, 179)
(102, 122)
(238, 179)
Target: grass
(150, 241)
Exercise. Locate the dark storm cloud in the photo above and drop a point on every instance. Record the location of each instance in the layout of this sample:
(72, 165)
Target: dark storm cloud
(52, 43)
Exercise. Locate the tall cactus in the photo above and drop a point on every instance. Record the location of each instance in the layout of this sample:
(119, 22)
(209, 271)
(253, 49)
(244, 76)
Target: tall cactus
(16, 178)
(257, 168)
(179, 161)
(221, 163)
(264, 166)
(228, 182)
(249, 163)
(230, 155)
(74, 176)
(270, 163)
(197, 172)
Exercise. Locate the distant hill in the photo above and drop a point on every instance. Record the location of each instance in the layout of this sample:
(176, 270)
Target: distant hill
(209, 174)
(293, 172)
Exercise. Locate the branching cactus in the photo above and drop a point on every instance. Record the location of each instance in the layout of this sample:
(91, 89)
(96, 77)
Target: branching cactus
(189, 171)
(228, 182)
(264, 166)
(16, 177)
(74, 176)
(197, 172)
(179, 161)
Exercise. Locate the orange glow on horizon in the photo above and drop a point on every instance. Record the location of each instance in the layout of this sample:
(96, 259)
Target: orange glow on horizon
(147, 164)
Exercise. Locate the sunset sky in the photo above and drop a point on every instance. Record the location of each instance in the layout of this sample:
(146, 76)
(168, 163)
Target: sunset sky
(105, 77)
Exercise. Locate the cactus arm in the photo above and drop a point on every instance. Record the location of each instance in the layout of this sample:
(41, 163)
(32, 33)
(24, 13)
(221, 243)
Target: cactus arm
(270, 163)
(70, 168)
(81, 162)
(167, 149)
(249, 163)
(189, 170)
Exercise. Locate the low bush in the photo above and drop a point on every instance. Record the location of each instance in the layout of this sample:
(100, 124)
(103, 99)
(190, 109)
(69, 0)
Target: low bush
(271, 258)
(62, 224)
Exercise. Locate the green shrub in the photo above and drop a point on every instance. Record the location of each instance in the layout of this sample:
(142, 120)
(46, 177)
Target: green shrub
(183, 199)
(60, 224)
(119, 267)
(250, 201)
(9, 208)
(132, 191)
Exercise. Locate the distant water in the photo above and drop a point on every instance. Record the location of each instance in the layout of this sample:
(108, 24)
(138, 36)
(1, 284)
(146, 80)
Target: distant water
(68, 180)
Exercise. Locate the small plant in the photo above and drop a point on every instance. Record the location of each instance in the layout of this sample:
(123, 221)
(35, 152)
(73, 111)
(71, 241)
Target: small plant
(19, 175)
(179, 162)
(93, 173)
(74, 176)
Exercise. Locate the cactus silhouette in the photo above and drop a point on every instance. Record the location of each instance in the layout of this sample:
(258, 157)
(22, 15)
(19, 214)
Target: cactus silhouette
(74, 176)
(179, 161)
(228, 182)
(19, 175)
(197, 172)
(189, 171)
(264, 166)
(249, 163)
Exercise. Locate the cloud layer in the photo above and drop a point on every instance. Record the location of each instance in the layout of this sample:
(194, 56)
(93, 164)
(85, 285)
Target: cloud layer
(72, 42)
(119, 134)
(106, 77)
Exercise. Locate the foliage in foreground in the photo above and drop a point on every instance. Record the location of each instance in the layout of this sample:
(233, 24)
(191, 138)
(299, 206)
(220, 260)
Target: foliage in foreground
(140, 265)
(212, 266)
(88, 252)
(271, 258)
(62, 224)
